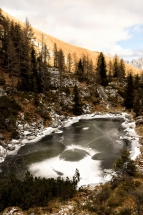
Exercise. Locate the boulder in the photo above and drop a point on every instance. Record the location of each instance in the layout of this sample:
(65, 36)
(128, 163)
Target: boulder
(1, 137)
(12, 211)
(139, 117)
(33, 124)
(26, 133)
(139, 122)
(55, 124)
(20, 126)
(31, 137)
(11, 147)
(26, 126)
(40, 121)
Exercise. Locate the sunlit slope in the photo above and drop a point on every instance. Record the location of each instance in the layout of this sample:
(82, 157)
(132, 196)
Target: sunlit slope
(75, 51)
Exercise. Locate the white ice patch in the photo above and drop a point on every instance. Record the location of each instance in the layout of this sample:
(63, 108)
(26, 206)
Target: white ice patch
(87, 149)
(58, 131)
(89, 169)
(85, 128)
(71, 120)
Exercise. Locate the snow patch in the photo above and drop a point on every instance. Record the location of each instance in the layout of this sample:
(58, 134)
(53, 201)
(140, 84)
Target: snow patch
(86, 128)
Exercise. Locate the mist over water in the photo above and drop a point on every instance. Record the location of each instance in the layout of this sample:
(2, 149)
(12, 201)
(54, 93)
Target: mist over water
(91, 146)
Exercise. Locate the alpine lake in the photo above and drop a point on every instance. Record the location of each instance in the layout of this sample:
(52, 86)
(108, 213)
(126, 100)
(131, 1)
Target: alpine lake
(91, 146)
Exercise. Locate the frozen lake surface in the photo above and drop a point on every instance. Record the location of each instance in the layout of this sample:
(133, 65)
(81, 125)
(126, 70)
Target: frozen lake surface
(91, 146)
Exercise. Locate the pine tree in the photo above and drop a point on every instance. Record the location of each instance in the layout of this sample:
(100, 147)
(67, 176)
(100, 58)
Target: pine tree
(55, 55)
(46, 55)
(121, 74)
(5, 39)
(28, 38)
(124, 165)
(129, 93)
(61, 65)
(77, 108)
(75, 62)
(85, 61)
(80, 71)
(137, 82)
(43, 61)
(25, 57)
(137, 106)
(12, 61)
(34, 81)
(90, 68)
(101, 70)
(116, 67)
(110, 71)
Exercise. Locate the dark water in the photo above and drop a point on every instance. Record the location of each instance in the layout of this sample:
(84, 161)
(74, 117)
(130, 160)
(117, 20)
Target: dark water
(89, 145)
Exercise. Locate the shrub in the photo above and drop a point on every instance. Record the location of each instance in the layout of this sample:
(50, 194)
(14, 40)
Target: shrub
(27, 116)
(137, 183)
(33, 191)
(125, 211)
(44, 114)
(15, 134)
(2, 81)
(67, 91)
(104, 194)
(124, 165)
(128, 185)
(115, 201)
(9, 108)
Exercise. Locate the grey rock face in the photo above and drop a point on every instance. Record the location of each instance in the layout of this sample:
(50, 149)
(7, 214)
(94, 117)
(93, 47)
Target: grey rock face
(138, 63)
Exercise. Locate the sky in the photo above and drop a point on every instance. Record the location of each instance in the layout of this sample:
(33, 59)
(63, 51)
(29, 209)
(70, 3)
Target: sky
(110, 26)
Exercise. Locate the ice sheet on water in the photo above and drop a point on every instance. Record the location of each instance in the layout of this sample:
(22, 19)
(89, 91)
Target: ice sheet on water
(90, 171)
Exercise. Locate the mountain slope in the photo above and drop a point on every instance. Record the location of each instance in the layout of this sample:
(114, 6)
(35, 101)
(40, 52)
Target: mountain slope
(76, 52)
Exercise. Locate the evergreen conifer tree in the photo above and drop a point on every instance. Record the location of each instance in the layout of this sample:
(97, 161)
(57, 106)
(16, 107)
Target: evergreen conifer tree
(61, 65)
(12, 61)
(115, 67)
(124, 165)
(137, 82)
(34, 81)
(129, 93)
(80, 71)
(110, 71)
(69, 62)
(137, 105)
(55, 55)
(101, 70)
(121, 74)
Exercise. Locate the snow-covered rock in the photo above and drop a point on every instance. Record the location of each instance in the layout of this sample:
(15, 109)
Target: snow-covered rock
(31, 137)
(139, 122)
(26, 133)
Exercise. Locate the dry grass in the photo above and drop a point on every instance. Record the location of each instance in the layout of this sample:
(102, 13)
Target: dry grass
(139, 130)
